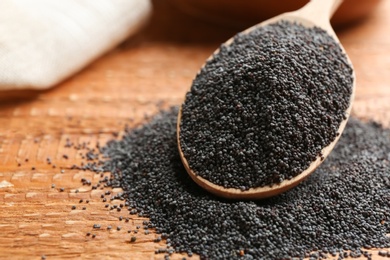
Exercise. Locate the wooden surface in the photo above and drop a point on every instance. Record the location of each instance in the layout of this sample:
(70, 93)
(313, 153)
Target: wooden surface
(150, 70)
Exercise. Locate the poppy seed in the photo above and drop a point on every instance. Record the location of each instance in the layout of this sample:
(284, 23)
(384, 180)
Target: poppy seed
(262, 109)
(339, 208)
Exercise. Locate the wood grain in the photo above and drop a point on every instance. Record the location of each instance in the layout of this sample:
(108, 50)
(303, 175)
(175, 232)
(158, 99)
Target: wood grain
(150, 70)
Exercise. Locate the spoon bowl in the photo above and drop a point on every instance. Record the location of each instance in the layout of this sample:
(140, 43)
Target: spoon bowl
(315, 14)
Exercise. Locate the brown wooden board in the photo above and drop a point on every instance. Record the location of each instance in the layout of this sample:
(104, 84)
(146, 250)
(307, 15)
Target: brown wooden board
(150, 70)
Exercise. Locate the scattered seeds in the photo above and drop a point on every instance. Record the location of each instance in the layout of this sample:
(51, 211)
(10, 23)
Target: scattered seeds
(340, 208)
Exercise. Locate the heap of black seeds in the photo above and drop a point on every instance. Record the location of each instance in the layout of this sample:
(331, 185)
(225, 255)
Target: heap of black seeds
(341, 209)
(265, 106)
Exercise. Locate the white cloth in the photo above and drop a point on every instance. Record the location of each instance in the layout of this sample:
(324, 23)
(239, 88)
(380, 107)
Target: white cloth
(44, 41)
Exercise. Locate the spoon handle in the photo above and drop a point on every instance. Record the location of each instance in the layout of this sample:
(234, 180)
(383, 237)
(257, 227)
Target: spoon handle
(320, 11)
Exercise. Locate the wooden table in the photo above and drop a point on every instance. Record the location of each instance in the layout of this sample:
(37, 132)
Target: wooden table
(152, 69)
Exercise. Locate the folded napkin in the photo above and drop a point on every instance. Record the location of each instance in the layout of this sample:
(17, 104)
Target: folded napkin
(44, 41)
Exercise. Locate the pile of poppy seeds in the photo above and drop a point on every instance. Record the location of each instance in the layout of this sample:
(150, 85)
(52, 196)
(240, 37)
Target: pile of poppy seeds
(342, 209)
(262, 109)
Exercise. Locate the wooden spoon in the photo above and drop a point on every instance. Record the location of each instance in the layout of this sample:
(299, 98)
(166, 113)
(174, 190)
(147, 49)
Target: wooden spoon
(315, 13)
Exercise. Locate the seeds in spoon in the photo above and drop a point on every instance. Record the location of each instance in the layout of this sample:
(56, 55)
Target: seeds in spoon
(262, 109)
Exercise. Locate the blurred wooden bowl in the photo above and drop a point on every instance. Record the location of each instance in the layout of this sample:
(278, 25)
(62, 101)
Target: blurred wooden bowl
(244, 13)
